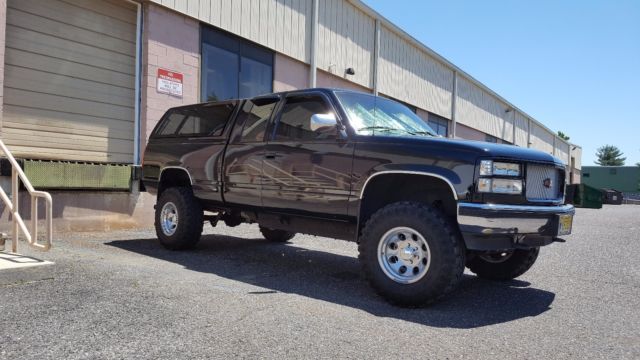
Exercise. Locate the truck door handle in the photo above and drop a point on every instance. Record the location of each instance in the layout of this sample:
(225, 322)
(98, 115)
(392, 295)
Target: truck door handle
(271, 156)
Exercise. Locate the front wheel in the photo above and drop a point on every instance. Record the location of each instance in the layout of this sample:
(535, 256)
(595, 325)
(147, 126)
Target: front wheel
(503, 265)
(411, 254)
(179, 218)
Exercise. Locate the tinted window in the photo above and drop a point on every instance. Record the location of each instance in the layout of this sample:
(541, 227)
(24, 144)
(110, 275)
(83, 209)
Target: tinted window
(171, 123)
(491, 139)
(197, 121)
(256, 116)
(439, 124)
(295, 118)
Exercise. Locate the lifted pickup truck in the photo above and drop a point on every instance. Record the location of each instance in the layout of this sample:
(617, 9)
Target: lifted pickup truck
(357, 167)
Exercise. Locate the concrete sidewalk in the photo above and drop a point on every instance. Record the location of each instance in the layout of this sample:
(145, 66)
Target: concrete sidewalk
(16, 269)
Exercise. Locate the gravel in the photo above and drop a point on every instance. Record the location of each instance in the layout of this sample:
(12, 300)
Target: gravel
(120, 295)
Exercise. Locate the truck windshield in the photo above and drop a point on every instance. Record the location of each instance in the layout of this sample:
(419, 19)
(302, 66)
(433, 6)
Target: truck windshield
(373, 115)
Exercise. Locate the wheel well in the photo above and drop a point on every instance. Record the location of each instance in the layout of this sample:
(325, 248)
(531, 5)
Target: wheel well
(386, 189)
(172, 178)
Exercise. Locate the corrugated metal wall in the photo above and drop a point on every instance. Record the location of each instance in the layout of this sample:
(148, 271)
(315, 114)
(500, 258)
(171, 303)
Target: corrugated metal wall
(70, 79)
(522, 128)
(541, 139)
(482, 111)
(409, 74)
(351, 44)
(282, 25)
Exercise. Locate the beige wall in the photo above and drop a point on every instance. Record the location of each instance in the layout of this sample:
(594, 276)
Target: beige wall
(171, 41)
(3, 23)
(289, 74)
(284, 26)
(465, 132)
(325, 79)
(410, 75)
(346, 38)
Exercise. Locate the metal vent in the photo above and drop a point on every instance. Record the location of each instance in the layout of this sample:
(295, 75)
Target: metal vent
(543, 182)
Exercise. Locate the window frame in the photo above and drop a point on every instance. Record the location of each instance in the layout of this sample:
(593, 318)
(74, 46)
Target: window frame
(277, 115)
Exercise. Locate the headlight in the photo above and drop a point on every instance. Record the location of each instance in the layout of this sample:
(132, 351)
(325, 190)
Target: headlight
(488, 168)
(500, 186)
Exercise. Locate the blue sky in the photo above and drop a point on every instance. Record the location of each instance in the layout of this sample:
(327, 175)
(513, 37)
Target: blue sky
(572, 65)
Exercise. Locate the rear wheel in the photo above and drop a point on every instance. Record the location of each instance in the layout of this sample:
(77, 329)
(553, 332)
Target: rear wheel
(274, 235)
(411, 254)
(503, 265)
(178, 218)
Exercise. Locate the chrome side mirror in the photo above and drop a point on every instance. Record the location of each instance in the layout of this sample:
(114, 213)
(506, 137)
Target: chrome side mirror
(323, 122)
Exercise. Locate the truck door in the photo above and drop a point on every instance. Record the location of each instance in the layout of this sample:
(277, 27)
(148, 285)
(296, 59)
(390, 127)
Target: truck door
(242, 167)
(306, 172)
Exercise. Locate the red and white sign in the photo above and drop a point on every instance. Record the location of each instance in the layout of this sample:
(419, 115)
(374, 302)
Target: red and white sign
(170, 82)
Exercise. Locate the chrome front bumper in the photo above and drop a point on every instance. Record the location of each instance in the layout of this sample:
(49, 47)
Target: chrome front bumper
(490, 226)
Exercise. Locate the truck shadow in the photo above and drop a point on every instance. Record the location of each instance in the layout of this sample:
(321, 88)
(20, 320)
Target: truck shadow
(335, 278)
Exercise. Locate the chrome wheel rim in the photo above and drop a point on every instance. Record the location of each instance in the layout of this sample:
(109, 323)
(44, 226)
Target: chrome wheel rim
(169, 218)
(496, 258)
(404, 255)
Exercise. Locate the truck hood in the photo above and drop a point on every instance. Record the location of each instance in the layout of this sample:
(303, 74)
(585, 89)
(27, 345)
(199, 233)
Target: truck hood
(481, 148)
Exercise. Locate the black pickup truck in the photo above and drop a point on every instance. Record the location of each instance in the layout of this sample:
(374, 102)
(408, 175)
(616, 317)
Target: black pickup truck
(357, 167)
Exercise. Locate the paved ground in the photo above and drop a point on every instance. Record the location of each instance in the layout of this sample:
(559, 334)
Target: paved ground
(120, 295)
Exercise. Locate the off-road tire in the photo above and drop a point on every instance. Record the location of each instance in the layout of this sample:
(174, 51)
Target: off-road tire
(517, 264)
(274, 235)
(190, 219)
(446, 249)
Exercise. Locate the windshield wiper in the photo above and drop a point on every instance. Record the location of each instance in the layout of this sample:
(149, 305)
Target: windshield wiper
(384, 128)
(422, 133)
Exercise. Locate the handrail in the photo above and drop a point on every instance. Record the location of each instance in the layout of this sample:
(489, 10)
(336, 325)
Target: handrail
(13, 205)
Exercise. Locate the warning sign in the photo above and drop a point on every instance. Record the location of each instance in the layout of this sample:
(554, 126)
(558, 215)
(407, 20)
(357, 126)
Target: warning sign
(170, 82)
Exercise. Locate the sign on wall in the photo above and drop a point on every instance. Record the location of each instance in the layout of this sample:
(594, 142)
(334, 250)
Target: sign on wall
(169, 82)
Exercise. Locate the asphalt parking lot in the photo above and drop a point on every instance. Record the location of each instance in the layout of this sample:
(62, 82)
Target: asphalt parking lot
(120, 295)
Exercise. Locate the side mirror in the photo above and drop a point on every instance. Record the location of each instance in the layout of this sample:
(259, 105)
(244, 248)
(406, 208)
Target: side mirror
(323, 122)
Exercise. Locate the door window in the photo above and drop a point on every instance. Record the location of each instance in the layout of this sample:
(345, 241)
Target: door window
(295, 119)
(254, 118)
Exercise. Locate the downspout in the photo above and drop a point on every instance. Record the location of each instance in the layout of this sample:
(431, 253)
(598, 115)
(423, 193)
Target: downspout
(313, 64)
(454, 97)
(136, 121)
(528, 132)
(376, 56)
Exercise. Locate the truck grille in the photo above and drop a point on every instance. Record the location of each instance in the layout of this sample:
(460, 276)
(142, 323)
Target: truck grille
(537, 177)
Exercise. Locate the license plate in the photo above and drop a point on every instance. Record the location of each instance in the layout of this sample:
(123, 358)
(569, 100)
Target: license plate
(564, 224)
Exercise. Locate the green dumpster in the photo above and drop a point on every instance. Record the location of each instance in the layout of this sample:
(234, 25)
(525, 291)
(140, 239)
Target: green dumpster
(584, 196)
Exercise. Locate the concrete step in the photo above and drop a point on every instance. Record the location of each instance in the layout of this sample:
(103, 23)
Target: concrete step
(17, 269)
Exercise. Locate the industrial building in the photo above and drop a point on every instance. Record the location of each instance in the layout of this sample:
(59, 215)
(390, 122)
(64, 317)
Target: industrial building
(85, 81)
(625, 179)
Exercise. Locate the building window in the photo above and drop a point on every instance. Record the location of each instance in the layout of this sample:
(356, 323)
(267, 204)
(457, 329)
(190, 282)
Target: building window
(439, 124)
(233, 68)
(491, 139)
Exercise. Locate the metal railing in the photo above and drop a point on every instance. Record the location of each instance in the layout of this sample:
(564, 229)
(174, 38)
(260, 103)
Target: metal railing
(12, 204)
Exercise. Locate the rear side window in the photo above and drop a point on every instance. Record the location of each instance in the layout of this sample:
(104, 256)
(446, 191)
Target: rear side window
(296, 115)
(208, 120)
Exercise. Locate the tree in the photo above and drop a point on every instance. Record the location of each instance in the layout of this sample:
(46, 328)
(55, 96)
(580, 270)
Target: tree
(610, 155)
(563, 136)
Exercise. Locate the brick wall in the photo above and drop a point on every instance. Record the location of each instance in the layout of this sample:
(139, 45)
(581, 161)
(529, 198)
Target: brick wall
(170, 41)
